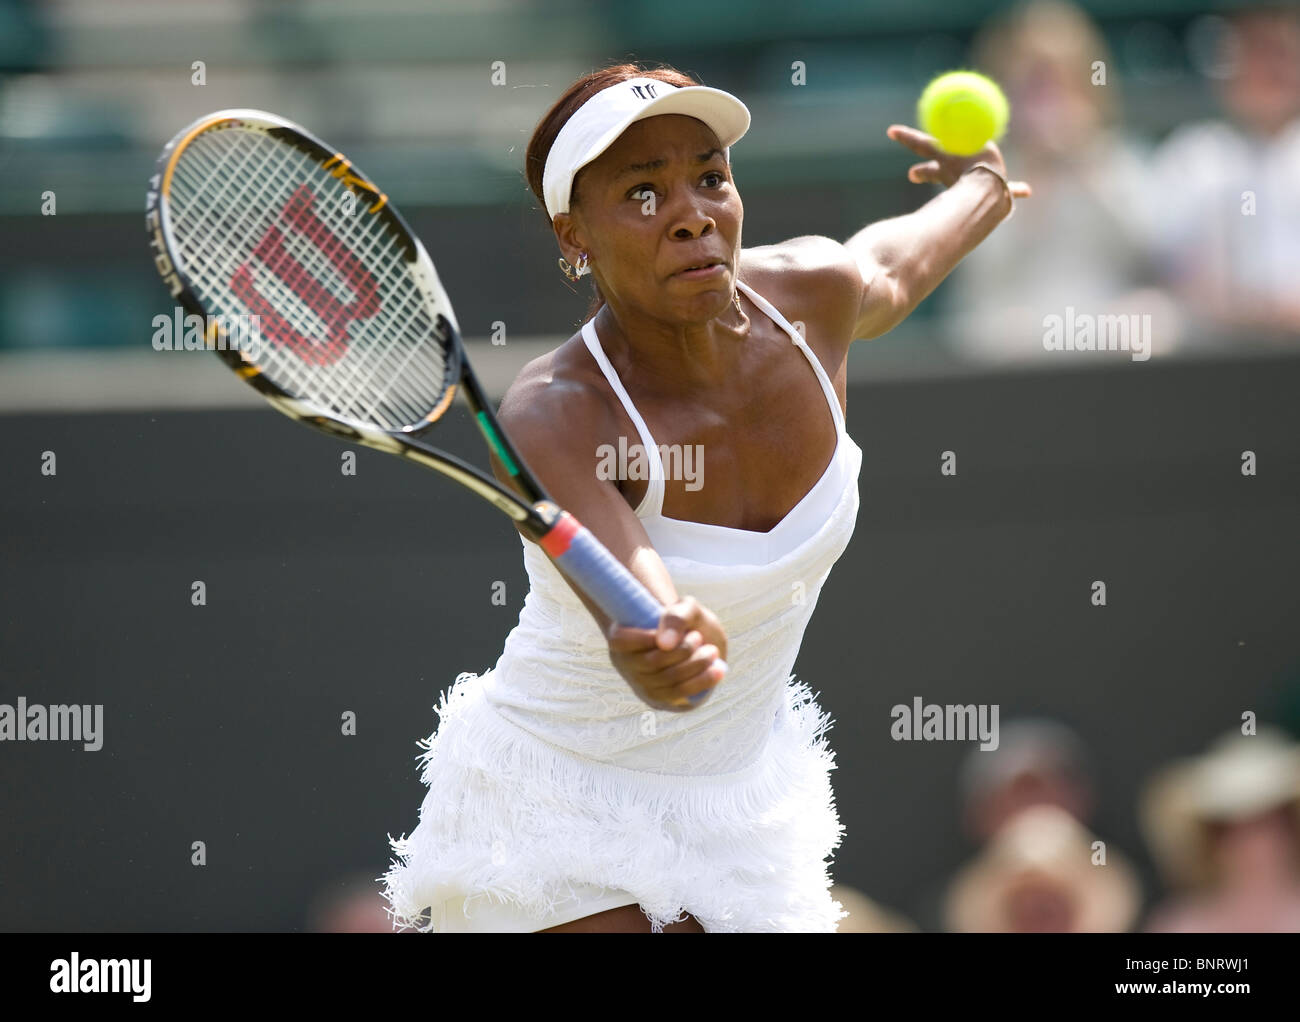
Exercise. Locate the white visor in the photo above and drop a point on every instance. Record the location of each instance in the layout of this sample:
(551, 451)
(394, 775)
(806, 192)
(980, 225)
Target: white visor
(596, 124)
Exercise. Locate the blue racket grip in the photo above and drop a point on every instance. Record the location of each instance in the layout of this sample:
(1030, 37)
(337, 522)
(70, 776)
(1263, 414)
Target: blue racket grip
(613, 588)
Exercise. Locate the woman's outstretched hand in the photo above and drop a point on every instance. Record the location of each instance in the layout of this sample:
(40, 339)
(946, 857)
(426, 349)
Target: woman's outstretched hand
(939, 167)
(675, 666)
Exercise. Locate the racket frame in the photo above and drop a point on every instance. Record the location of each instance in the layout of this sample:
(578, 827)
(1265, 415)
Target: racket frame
(536, 515)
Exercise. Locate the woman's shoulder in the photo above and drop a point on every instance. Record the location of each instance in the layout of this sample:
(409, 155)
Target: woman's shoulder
(806, 254)
(562, 387)
(811, 279)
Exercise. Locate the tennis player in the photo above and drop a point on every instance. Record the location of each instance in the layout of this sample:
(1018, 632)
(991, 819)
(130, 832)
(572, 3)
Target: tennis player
(611, 779)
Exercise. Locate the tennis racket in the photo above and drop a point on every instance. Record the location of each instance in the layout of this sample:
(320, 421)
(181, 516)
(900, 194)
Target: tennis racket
(250, 216)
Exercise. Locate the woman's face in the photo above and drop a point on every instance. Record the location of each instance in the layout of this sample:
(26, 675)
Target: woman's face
(657, 201)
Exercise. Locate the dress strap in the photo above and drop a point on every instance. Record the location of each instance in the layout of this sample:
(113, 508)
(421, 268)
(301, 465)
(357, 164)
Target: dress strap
(653, 501)
(827, 388)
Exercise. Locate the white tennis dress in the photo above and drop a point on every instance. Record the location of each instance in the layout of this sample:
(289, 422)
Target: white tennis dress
(555, 793)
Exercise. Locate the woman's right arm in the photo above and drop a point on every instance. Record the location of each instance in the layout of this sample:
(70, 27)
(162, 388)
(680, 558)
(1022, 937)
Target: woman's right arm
(557, 426)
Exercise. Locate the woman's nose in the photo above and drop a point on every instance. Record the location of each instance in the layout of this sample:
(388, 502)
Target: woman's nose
(693, 226)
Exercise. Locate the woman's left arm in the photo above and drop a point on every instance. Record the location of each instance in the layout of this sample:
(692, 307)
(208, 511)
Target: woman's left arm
(903, 259)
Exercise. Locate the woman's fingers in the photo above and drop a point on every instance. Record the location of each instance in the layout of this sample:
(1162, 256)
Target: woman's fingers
(680, 679)
(688, 668)
(923, 173)
(700, 677)
(676, 665)
(917, 141)
(656, 662)
(932, 172)
(677, 620)
(651, 655)
(693, 693)
(625, 639)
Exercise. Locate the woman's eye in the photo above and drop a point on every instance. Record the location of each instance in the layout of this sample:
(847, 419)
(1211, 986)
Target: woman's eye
(641, 193)
(716, 177)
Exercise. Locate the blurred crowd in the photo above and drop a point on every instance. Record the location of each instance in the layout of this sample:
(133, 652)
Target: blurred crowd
(1222, 827)
(1196, 241)
(1190, 237)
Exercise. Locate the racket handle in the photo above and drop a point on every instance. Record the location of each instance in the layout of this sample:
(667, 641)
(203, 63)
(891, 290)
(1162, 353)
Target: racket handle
(601, 575)
(604, 578)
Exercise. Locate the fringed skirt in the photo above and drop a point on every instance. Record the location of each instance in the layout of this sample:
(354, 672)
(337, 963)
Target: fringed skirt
(518, 834)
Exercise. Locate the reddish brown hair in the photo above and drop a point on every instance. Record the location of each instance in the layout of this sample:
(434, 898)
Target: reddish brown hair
(539, 146)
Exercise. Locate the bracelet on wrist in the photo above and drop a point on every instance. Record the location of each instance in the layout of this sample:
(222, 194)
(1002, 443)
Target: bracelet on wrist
(1001, 177)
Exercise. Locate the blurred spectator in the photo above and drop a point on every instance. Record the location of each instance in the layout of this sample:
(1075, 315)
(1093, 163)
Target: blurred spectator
(1081, 241)
(1225, 829)
(1037, 762)
(1041, 874)
(1227, 203)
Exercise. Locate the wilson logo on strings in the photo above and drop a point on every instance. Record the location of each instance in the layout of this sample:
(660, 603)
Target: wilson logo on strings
(298, 213)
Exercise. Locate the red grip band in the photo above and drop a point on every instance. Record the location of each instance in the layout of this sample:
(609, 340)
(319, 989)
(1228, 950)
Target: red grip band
(556, 542)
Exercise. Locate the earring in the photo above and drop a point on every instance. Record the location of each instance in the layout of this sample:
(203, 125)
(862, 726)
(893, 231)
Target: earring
(572, 272)
(735, 300)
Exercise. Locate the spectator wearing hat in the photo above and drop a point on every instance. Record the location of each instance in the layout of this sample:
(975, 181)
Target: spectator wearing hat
(1225, 830)
(1037, 762)
(1042, 874)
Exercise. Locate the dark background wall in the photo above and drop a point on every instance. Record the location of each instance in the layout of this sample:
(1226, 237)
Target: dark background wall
(328, 593)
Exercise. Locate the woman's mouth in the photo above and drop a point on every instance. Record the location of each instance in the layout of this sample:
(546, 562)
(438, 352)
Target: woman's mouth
(701, 271)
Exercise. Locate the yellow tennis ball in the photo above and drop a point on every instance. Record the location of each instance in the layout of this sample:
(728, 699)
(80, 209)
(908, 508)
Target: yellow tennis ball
(963, 110)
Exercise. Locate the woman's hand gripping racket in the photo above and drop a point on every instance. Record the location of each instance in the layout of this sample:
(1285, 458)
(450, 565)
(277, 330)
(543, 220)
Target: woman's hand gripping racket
(250, 216)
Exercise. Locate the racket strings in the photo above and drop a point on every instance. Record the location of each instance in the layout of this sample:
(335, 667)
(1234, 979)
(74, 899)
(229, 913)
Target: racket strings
(344, 396)
(336, 390)
(262, 228)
